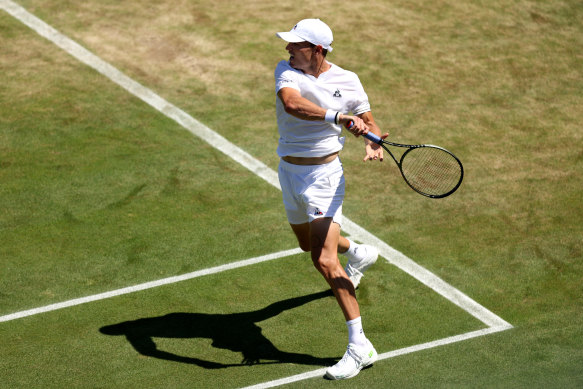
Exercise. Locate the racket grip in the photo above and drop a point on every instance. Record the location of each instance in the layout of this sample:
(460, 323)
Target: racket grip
(369, 135)
(374, 137)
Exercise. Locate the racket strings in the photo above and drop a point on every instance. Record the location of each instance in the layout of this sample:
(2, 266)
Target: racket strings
(431, 170)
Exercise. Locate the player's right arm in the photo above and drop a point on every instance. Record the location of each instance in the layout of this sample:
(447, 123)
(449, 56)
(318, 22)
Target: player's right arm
(302, 108)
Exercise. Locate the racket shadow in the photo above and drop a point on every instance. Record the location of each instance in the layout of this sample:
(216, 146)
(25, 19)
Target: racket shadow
(237, 332)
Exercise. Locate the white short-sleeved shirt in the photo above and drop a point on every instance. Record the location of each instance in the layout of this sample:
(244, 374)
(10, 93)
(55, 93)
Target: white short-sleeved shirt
(336, 89)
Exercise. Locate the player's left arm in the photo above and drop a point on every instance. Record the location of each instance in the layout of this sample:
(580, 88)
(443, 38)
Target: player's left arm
(373, 150)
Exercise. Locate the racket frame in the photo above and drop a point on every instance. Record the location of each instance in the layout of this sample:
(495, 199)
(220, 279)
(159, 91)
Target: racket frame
(376, 139)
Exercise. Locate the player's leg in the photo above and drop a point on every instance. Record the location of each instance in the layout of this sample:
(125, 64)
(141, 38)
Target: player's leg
(302, 232)
(324, 235)
(360, 256)
(343, 245)
(360, 353)
(324, 255)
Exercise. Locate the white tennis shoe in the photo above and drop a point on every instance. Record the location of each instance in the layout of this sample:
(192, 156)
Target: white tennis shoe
(354, 360)
(364, 257)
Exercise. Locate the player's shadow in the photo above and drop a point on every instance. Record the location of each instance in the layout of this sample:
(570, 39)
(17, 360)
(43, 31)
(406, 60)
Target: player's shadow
(237, 332)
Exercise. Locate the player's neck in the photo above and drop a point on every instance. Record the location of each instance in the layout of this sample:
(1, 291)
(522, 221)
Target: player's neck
(320, 66)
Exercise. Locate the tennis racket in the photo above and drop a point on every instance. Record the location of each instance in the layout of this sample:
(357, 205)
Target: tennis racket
(429, 170)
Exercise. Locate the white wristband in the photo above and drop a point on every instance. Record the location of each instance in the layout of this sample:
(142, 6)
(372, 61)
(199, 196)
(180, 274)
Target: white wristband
(331, 116)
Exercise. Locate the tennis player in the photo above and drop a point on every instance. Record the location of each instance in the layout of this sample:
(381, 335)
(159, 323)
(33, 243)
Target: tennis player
(315, 99)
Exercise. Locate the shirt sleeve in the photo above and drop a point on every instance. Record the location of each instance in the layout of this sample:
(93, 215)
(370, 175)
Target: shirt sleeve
(285, 77)
(360, 104)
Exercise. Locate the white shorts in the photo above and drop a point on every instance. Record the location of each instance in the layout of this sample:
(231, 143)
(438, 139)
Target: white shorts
(312, 192)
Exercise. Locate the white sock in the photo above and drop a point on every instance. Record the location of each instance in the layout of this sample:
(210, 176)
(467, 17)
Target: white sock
(355, 332)
(350, 253)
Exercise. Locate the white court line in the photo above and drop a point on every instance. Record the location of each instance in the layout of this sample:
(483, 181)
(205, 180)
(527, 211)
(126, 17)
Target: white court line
(391, 354)
(149, 285)
(260, 169)
(426, 277)
(141, 92)
(239, 155)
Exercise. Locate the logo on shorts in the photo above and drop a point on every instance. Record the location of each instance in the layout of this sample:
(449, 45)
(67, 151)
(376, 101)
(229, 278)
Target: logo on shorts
(317, 212)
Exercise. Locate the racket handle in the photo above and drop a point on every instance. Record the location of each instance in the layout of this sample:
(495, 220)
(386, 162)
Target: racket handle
(369, 135)
(374, 137)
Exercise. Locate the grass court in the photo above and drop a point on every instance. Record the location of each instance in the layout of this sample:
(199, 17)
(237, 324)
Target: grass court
(109, 195)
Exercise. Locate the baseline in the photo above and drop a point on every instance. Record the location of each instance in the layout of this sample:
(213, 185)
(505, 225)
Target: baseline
(391, 354)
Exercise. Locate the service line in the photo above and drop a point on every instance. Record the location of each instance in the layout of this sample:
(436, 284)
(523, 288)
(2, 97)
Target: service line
(149, 285)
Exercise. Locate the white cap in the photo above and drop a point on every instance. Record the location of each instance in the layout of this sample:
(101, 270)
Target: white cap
(314, 31)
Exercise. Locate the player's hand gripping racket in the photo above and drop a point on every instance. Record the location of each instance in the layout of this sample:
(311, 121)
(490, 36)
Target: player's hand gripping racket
(430, 170)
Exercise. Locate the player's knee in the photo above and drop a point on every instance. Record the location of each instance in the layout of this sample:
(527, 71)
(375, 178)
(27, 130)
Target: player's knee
(324, 264)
